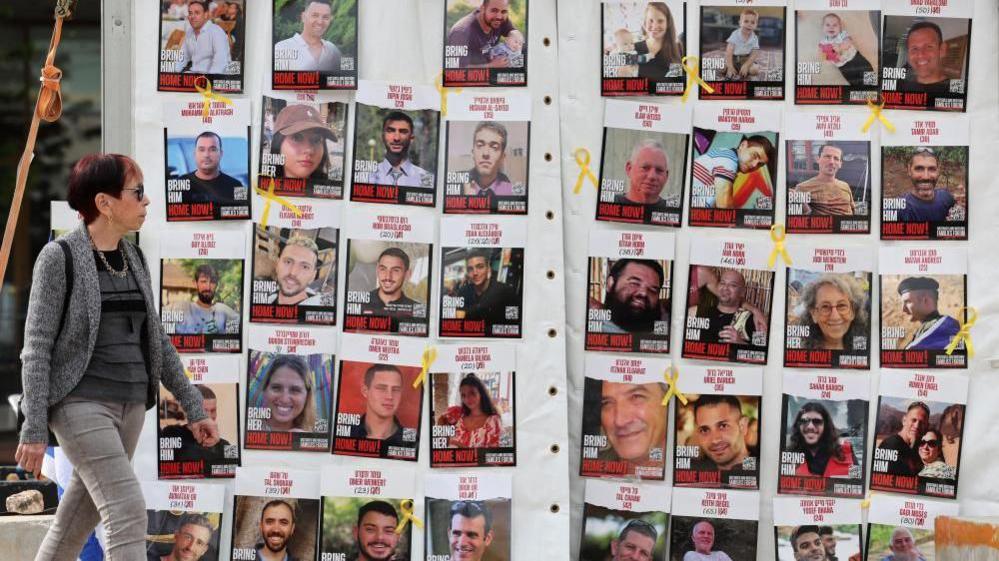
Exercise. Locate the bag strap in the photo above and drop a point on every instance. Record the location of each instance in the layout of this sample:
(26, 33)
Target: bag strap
(69, 281)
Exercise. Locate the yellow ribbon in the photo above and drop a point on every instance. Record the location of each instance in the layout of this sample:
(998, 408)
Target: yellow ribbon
(673, 389)
(866, 503)
(777, 235)
(439, 82)
(406, 506)
(269, 196)
(876, 113)
(429, 356)
(582, 156)
(209, 95)
(693, 76)
(188, 374)
(965, 332)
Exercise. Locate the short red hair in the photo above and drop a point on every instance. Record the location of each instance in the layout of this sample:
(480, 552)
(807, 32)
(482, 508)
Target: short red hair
(98, 173)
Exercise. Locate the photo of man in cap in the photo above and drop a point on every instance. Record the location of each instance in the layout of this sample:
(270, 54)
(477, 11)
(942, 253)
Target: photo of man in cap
(920, 297)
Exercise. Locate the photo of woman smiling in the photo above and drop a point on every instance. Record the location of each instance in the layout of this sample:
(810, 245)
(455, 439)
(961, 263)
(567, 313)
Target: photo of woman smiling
(288, 401)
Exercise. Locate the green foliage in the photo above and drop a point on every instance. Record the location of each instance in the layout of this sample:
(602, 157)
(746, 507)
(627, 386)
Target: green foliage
(230, 287)
(458, 9)
(342, 31)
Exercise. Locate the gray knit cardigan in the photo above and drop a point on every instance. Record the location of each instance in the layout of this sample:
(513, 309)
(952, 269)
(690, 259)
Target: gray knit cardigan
(53, 362)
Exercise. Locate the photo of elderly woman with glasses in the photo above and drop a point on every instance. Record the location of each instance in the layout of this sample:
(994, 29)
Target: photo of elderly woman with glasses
(828, 312)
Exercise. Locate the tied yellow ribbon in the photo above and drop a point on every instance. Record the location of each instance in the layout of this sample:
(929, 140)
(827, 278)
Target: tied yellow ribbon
(672, 375)
(964, 334)
(209, 95)
(269, 196)
(188, 374)
(444, 92)
(866, 503)
(406, 506)
(582, 156)
(778, 235)
(429, 356)
(876, 113)
(692, 65)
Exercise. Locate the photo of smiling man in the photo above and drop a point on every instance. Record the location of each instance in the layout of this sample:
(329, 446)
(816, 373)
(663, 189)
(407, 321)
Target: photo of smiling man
(926, 59)
(315, 45)
(269, 529)
(468, 525)
(924, 193)
(185, 530)
(624, 422)
(485, 43)
(295, 268)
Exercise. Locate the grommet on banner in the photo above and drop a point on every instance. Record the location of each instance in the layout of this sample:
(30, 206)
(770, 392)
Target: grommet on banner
(426, 361)
(693, 70)
(439, 82)
(671, 375)
(406, 506)
(778, 235)
(269, 196)
(964, 334)
(876, 113)
(208, 94)
(582, 156)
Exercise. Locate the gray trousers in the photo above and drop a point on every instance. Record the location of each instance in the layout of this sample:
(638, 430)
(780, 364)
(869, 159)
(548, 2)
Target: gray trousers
(99, 437)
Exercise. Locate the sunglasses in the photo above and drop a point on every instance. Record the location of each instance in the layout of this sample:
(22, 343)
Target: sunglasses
(931, 443)
(811, 421)
(140, 191)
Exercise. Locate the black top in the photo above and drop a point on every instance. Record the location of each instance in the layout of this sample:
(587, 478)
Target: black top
(651, 67)
(218, 190)
(361, 431)
(117, 369)
(659, 206)
(189, 447)
(910, 84)
(468, 32)
(491, 304)
(402, 307)
(908, 462)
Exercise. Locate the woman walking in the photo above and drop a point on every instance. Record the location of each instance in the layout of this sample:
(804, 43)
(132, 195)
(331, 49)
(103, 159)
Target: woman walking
(94, 355)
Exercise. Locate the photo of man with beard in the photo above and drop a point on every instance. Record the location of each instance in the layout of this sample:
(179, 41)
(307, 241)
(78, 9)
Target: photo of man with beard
(375, 536)
(396, 168)
(205, 315)
(359, 528)
(395, 150)
(486, 46)
(925, 192)
(277, 524)
(294, 274)
(634, 288)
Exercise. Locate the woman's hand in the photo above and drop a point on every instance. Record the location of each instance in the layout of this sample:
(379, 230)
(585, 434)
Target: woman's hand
(29, 456)
(206, 432)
